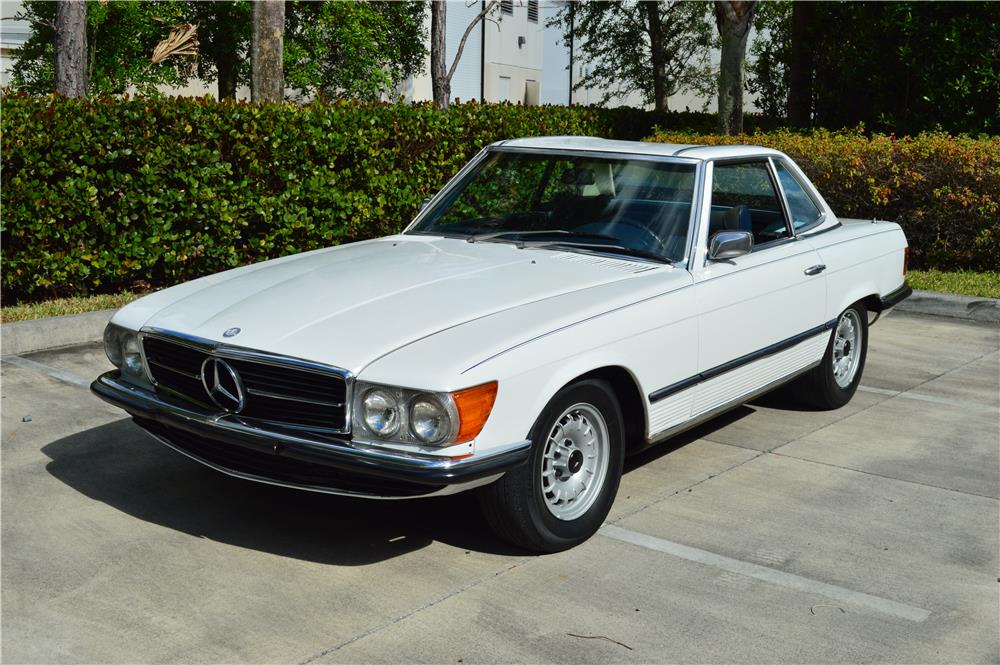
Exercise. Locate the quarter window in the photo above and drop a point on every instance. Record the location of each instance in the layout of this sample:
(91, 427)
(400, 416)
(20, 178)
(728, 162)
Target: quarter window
(744, 199)
(800, 206)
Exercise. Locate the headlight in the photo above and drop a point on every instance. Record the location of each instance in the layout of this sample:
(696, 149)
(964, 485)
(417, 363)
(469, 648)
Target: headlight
(381, 413)
(429, 420)
(131, 357)
(122, 348)
(113, 344)
(402, 415)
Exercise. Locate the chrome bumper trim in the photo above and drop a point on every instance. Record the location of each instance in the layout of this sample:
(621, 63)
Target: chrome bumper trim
(346, 455)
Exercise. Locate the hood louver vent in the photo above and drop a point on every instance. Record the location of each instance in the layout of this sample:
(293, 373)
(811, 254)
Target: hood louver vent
(612, 264)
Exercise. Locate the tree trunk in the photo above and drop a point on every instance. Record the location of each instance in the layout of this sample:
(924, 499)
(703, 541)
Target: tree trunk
(225, 71)
(71, 48)
(224, 54)
(800, 74)
(440, 81)
(655, 27)
(268, 80)
(733, 17)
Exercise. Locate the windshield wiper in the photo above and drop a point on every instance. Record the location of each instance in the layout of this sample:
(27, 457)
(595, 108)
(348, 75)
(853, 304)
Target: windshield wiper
(477, 237)
(617, 249)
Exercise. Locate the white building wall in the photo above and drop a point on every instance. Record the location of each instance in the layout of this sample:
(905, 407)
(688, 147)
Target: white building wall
(465, 84)
(514, 56)
(555, 60)
(12, 35)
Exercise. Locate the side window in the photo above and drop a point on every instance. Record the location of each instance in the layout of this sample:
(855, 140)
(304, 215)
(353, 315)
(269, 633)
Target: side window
(802, 209)
(744, 199)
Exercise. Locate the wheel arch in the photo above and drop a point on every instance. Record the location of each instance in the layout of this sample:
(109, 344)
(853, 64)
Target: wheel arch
(630, 399)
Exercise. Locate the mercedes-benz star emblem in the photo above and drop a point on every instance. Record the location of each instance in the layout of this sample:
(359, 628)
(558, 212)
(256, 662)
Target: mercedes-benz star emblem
(232, 332)
(223, 385)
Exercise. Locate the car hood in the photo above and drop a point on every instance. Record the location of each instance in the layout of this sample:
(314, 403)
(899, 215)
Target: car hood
(350, 305)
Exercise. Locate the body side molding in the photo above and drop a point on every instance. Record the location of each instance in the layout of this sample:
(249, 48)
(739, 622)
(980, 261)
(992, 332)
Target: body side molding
(736, 363)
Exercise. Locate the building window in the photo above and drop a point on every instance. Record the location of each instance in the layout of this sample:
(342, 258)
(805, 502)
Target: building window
(533, 11)
(507, 7)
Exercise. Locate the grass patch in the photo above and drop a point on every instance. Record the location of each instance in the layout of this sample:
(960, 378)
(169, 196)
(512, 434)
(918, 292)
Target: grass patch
(62, 306)
(962, 282)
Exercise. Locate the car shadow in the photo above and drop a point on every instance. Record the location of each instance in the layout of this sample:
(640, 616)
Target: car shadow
(120, 465)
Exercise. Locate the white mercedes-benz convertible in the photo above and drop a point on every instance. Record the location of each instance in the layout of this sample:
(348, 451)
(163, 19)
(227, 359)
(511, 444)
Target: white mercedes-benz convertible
(561, 303)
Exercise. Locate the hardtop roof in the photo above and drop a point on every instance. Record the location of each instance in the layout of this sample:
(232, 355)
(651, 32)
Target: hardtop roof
(590, 143)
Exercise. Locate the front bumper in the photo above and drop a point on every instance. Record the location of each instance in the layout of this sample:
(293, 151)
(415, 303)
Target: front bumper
(300, 459)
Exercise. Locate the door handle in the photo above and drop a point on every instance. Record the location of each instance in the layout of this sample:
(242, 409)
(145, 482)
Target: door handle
(815, 270)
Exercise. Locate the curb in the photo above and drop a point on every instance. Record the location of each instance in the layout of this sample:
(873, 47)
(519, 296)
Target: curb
(985, 310)
(53, 332)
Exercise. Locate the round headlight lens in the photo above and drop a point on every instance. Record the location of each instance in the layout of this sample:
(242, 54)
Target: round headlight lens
(381, 413)
(130, 354)
(429, 420)
(113, 345)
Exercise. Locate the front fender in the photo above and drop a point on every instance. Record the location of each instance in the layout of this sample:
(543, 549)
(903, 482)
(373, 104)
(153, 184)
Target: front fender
(654, 339)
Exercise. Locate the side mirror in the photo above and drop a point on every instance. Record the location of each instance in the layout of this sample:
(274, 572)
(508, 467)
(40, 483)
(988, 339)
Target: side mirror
(729, 244)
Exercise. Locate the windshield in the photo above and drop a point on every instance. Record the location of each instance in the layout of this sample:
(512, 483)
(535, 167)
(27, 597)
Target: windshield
(630, 206)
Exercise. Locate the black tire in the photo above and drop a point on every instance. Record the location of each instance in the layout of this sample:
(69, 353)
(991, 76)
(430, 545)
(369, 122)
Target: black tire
(515, 506)
(819, 387)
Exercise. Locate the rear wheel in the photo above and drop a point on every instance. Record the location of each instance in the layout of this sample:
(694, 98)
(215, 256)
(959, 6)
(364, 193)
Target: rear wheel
(834, 381)
(562, 495)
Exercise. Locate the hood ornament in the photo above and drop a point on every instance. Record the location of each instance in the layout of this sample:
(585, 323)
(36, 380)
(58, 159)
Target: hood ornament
(232, 332)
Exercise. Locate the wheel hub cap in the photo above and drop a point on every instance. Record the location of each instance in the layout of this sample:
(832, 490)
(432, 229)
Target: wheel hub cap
(846, 348)
(575, 461)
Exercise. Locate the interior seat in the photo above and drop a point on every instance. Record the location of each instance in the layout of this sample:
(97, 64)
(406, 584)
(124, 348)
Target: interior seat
(737, 218)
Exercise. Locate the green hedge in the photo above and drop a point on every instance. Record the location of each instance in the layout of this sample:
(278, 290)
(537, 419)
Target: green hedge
(943, 190)
(111, 194)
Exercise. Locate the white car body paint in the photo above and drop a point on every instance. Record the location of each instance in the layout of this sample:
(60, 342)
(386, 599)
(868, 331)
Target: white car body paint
(442, 314)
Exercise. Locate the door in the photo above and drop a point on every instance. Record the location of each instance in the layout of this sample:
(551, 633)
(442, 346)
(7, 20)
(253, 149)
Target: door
(760, 315)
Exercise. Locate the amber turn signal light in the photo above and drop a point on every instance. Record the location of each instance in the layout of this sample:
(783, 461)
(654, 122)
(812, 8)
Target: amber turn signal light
(474, 406)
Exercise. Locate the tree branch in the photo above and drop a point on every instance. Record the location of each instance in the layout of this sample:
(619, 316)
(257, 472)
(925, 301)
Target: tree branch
(465, 36)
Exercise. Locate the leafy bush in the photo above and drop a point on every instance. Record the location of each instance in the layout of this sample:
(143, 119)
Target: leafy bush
(109, 194)
(104, 195)
(944, 190)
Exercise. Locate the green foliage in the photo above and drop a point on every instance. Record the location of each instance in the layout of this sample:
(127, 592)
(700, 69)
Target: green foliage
(944, 190)
(900, 67)
(356, 50)
(352, 49)
(224, 32)
(105, 195)
(770, 53)
(120, 40)
(613, 39)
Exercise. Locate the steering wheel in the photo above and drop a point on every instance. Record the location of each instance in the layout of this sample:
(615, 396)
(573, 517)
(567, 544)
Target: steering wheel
(653, 242)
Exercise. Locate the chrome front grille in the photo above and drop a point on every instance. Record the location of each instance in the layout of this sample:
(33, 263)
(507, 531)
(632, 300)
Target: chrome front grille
(281, 391)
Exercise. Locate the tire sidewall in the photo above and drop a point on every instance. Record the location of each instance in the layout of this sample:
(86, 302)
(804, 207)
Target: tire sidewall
(599, 395)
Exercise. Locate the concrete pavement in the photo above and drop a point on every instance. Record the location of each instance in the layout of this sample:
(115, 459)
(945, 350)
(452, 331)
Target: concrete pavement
(772, 534)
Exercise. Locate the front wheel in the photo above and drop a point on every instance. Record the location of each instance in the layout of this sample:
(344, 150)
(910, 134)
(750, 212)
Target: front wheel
(562, 495)
(834, 381)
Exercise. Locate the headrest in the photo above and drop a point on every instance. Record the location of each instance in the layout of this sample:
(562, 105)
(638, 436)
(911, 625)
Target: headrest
(737, 218)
